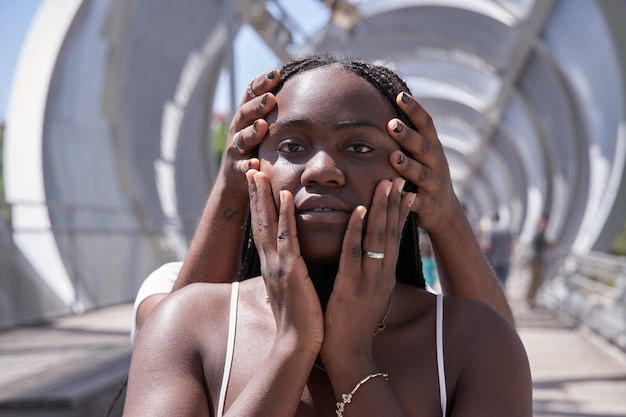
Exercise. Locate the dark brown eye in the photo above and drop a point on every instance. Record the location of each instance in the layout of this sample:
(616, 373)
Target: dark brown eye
(360, 148)
(290, 147)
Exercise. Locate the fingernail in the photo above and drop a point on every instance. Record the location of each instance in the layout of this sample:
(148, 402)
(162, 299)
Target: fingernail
(264, 100)
(254, 126)
(270, 75)
(388, 188)
(397, 128)
(401, 186)
(401, 159)
(412, 199)
(405, 98)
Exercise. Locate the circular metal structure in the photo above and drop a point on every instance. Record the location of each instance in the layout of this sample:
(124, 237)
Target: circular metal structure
(109, 153)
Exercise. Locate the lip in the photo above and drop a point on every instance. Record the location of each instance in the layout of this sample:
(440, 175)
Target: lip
(324, 209)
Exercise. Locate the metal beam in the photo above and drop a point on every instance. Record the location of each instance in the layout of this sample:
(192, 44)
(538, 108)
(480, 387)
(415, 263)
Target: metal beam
(529, 30)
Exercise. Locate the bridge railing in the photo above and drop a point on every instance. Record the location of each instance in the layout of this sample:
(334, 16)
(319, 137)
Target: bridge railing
(589, 289)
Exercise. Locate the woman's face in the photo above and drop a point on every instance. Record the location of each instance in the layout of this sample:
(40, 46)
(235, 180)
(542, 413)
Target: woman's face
(328, 145)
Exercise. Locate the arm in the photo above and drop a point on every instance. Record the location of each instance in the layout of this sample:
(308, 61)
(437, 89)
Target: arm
(463, 270)
(221, 227)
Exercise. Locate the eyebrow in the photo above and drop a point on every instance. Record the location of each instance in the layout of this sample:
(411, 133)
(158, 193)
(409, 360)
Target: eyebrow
(345, 125)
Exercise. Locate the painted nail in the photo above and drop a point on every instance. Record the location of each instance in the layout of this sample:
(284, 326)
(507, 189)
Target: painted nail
(401, 159)
(405, 98)
(397, 128)
(254, 126)
(270, 75)
(264, 100)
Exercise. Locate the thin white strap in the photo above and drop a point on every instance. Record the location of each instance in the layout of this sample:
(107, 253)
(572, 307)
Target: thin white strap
(440, 362)
(230, 347)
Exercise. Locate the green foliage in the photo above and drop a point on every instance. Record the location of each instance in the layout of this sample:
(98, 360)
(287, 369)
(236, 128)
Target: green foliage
(219, 132)
(619, 245)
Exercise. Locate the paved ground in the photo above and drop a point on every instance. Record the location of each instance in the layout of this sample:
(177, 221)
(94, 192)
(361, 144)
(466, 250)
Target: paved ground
(74, 367)
(575, 373)
(71, 367)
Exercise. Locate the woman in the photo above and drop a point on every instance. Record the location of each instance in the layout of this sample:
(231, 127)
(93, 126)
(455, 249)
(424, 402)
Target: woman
(338, 321)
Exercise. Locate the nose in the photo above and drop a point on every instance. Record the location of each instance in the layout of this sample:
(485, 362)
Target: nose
(322, 169)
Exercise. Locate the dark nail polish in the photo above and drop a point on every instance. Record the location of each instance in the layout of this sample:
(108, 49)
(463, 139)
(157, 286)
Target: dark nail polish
(397, 128)
(270, 75)
(405, 98)
(254, 126)
(401, 159)
(264, 100)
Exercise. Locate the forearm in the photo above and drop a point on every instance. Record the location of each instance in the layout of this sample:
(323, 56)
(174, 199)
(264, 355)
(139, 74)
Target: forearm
(463, 269)
(213, 255)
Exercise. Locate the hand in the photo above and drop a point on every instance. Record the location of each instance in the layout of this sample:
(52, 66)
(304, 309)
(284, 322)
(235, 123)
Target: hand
(250, 128)
(293, 298)
(363, 285)
(436, 203)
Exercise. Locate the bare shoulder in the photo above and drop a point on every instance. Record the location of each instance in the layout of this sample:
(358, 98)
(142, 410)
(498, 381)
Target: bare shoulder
(184, 314)
(486, 358)
(479, 328)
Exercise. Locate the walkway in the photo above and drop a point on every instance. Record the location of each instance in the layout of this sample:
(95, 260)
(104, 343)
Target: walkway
(575, 374)
(74, 367)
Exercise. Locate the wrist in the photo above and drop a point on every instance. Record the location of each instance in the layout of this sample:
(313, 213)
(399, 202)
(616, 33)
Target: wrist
(232, 190)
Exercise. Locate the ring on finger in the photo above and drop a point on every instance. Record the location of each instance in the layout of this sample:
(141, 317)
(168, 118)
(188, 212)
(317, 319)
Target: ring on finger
(373, 255)
(250, 91)
(236, 142)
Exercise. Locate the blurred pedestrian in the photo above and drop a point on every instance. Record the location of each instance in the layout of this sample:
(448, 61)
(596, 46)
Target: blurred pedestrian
(498, 245)
(537, 261)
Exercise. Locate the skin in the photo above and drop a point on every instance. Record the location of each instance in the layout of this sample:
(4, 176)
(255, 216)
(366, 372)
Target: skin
(326, 300)
(462, 268)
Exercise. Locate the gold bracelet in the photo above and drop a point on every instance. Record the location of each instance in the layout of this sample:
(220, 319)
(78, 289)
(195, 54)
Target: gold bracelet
(347, 398)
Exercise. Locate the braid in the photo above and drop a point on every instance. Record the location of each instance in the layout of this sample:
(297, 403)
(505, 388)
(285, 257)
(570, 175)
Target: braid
(389, 84)
(250, 262)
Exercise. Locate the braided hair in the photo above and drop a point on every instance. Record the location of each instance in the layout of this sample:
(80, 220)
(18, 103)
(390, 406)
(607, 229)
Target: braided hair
(389, 84)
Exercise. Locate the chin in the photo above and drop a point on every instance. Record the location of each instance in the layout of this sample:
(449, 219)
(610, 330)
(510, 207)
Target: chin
(321, 253)
(320, 245)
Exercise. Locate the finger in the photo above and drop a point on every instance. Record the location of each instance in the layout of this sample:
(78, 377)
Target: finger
(375, 226)
(350, 260)
(267, 217)
(287, 236)
(393, 232)
(260, 85)
(414, 171)
(420, 118)
(417, 146)
(406, 206)
(246, 140)
(252, 193)
(244, 165)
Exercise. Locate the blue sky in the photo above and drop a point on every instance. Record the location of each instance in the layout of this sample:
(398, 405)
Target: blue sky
(15, 16)
(252, 56)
